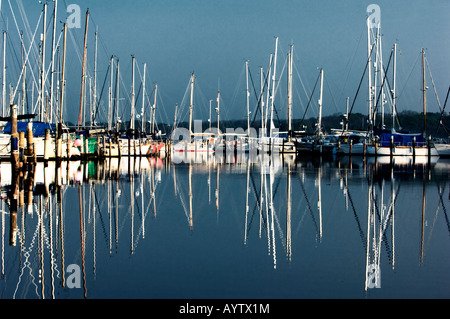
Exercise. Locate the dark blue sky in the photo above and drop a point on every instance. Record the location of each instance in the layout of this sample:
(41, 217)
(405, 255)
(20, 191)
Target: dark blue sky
(215, 38)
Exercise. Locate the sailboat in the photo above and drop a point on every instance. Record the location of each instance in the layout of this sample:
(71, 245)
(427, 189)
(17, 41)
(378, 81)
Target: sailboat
(271, 142)
(393, 143)
(197, 142)
(442, 145)
(288, 144)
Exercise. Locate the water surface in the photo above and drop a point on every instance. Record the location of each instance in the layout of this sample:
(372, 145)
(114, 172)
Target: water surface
(208, 227)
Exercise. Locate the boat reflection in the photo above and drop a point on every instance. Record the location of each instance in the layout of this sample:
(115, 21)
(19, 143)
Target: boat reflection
(61, 215)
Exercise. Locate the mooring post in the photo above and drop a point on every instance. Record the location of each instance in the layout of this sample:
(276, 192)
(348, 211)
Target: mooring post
(46, 144)
(31, 156)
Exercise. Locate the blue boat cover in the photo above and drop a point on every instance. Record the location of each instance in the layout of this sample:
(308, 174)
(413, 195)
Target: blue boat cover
(402, 139)
(38, 128)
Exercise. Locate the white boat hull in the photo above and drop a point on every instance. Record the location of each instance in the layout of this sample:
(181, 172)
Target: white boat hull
(443, 149)
(68, 147)
(401, 151)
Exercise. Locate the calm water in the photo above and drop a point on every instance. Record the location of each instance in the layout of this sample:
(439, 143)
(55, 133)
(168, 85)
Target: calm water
(274, 228)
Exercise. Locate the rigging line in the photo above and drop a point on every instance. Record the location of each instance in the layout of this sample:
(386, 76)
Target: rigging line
(434, 86)
(308, 204)
(301, 81)
(361, 232)
(31, 46)
(101, 93)
(22, 69)
(442, 115)
(444, 209)
(351, 60)
(360, 82)
(409, 75)
(265, 83)
(309, 101)
(102, 223)
(382, 85)
(331, 93)
(258, 99)
(27, 26)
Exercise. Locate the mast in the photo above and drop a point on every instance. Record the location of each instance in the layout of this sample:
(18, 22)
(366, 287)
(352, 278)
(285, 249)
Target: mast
(83, 70)
(110, 95)
(393, 86)
(218, 113)
(261, 100)
(132, 96)
(268, 93)
(95, 78)
(369, 63)
(41, 113)
(24, 67)
(289, 94)
(154, 108)
(376, 71)
(424, 96)
(53, 61)
(273, 86)
(117, 95)
(209, 120)
(248, 99)
(143, 101)
(4, 75)
(319, 123)
(61, 102)
(191, 105)
(346, 119)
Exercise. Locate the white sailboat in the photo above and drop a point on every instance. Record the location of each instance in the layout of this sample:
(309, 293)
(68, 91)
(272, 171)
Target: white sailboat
(400, 144)
(271, 142)
(196, 142)
(136, 145)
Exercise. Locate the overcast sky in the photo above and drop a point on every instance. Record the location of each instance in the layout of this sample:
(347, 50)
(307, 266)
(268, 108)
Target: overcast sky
(214, 38)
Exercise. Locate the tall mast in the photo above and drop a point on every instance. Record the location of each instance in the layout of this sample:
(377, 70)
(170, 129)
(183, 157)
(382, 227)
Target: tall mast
(261, 103)
(218, 113)
(346, 118)
(61, 101)
(319, 124)
(268, 93)
(375, 75)
(117, 95)
(424, 96)
(43, 65)
(53, 61)
(273, 86)
(110, 111)
(143, 101)
(248, 99)
(289, 94)
(4, 75)
(154, 108)
(393, 86)
(380, 53)
(94, 94)
(191, 105)
(132, 96)
(209, 120)
(369, 64)
(24, 67)
(83, 70)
